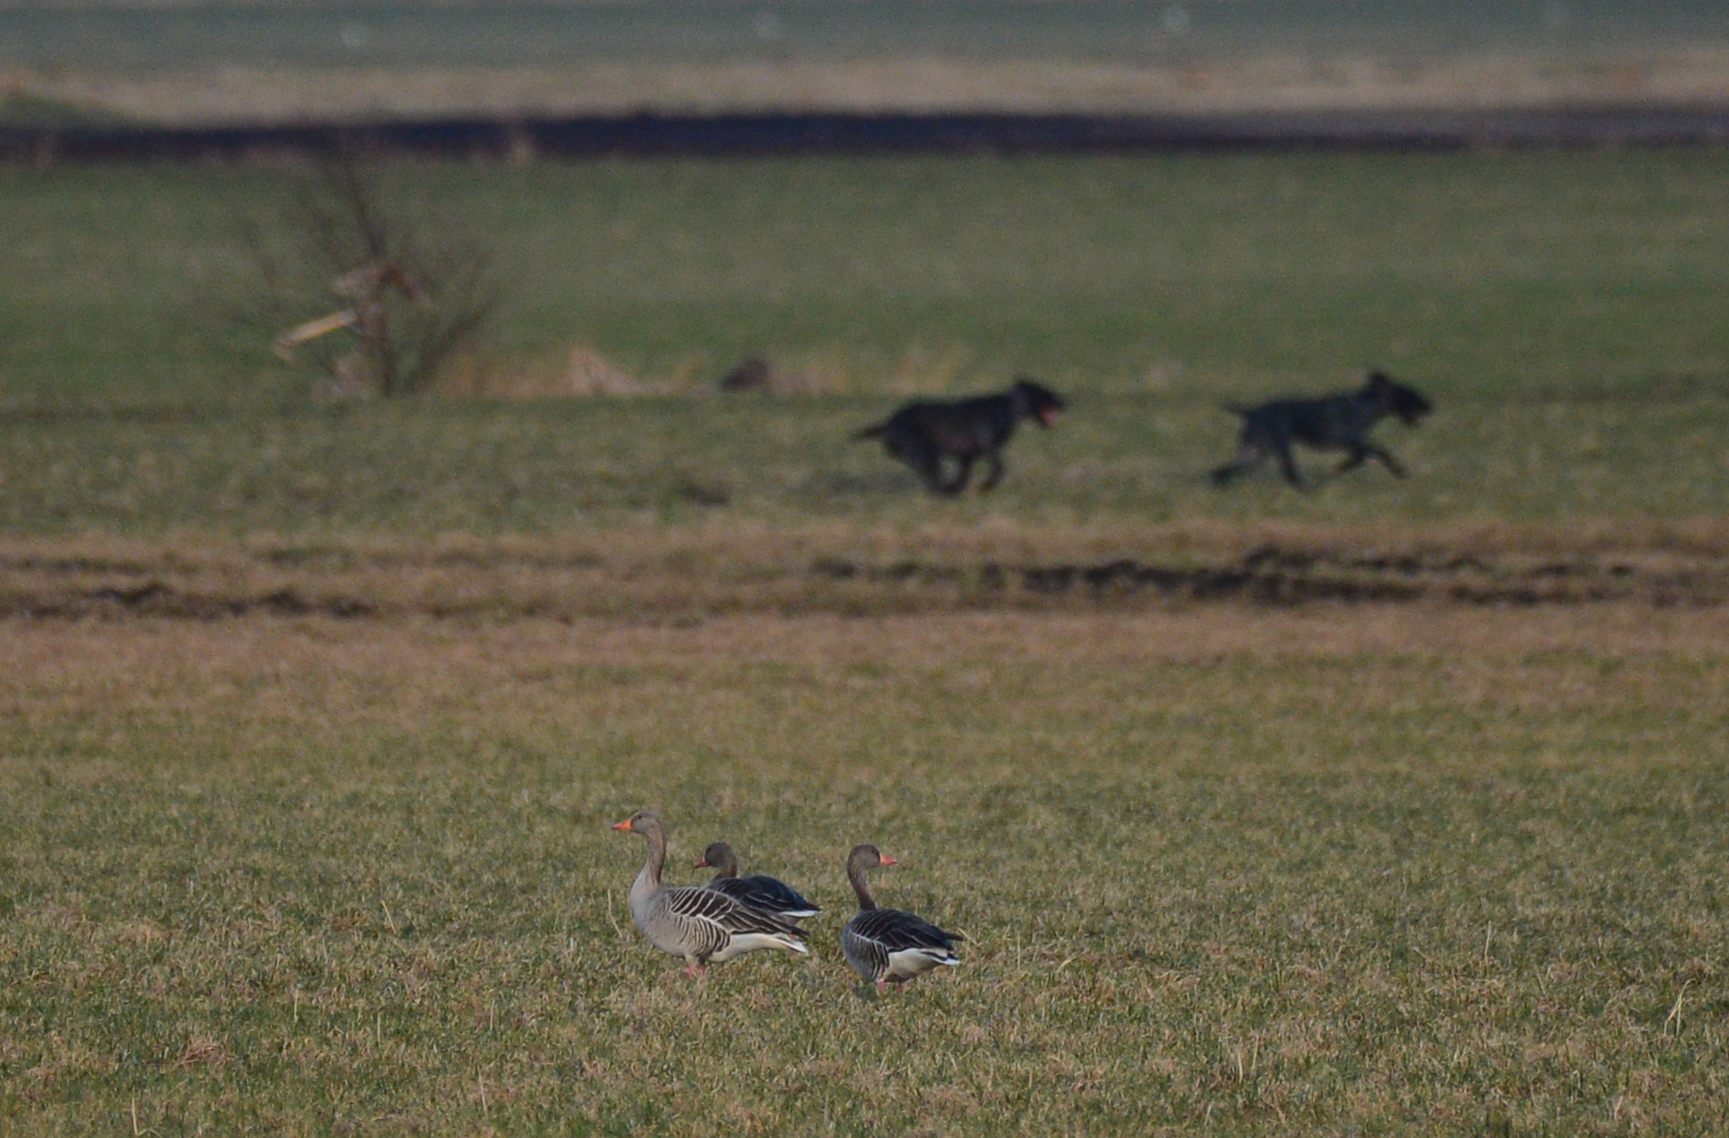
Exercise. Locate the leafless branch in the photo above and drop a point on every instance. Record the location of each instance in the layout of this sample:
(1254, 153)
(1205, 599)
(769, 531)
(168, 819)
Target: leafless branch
(357, 287)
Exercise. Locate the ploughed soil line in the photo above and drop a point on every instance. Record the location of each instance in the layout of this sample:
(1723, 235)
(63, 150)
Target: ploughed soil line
(1271, 575)
(525, 583)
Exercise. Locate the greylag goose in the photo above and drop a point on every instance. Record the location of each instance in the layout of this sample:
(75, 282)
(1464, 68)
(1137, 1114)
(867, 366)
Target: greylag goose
(887, 945)
(759, 891)
(696, 923)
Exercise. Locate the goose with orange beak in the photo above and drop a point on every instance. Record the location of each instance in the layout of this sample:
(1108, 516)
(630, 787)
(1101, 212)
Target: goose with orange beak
(696, 923)
(889, 946)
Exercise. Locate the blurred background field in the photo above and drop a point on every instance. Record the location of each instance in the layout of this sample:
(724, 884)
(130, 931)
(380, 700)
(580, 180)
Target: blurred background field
(202, 63)
(1563, 309)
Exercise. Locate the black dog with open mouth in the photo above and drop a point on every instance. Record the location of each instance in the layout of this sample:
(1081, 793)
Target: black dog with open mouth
(927, 433)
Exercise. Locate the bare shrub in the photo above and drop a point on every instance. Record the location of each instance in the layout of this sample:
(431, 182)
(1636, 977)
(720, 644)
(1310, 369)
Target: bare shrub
(413, 289)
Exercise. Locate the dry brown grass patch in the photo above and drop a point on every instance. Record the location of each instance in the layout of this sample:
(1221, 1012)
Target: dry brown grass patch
(579, 373)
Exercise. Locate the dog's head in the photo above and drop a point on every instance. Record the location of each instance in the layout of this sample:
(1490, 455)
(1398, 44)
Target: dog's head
(1038, 402)
(1397, 399)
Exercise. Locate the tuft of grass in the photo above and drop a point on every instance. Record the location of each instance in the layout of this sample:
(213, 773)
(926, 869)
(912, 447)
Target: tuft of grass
(1384, 873)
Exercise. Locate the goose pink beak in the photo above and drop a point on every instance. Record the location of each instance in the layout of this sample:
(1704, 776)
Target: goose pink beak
(701, 863)
(624, 825)
(885, 859)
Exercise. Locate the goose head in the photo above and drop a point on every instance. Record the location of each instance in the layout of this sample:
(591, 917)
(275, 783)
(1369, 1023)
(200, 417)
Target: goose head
(719, 857)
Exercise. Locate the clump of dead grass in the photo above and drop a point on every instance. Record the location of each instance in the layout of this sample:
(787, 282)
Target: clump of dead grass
(583, 372)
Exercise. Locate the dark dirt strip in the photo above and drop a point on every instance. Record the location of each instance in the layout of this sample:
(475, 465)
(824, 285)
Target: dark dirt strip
(836, 133)
(543, 588)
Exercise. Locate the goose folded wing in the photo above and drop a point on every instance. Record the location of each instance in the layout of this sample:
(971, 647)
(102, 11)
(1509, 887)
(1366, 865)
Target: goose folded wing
(899, 931)
(715, 908)
(764, 893)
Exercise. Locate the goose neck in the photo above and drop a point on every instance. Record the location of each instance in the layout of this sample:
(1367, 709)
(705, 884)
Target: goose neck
(656, 835)
(861, 885)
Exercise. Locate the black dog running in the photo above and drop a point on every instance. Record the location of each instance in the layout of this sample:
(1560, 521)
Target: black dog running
(1333, 422)
(927, 433)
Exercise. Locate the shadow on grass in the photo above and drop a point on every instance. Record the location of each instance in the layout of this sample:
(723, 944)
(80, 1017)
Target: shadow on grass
(826, 485)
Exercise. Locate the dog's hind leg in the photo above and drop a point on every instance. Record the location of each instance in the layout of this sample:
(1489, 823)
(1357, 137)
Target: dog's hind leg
(954, 486)
(1247, 459)
(930, 468)
(927, 462)
(995, 474)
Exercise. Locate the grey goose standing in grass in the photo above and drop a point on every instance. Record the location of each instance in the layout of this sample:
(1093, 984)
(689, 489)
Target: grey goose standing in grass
(759, 891)
(696, 923)
(888, 946)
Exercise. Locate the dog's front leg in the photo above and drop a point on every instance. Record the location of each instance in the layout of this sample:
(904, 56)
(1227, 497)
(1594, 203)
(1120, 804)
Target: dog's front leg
(1387, 460)
(1288, 465)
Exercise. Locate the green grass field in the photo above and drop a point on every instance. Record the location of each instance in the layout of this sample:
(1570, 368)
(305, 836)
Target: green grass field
(1220, 872)
(314, 713)
(1564, 310)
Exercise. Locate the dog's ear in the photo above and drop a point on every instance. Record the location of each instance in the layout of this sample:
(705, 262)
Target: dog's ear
(1388, 395)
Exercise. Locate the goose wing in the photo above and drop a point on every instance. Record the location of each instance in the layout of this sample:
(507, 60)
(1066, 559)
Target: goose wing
(888, 944)
(897, 931)
(712, 921)
(767, 893)
(727, 914)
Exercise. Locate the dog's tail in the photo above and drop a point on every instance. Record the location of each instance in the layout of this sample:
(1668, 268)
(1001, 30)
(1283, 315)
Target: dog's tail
(871, 432)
